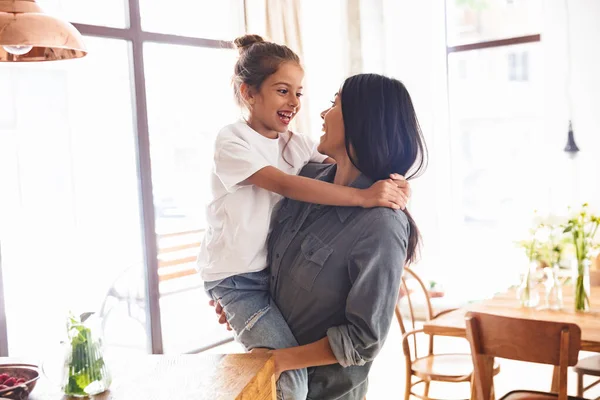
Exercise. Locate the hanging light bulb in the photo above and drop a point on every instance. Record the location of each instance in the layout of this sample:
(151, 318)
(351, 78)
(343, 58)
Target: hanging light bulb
(571, 147)
(28, 34)
(18, 50)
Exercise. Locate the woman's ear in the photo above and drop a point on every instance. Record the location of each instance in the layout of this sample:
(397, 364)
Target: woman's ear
(247, 94)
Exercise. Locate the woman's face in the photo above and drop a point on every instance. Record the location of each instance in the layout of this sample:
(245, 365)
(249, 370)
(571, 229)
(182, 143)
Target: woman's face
(333, 140)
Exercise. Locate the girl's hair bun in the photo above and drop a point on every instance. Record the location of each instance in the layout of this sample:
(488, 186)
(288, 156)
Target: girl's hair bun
(244, 42)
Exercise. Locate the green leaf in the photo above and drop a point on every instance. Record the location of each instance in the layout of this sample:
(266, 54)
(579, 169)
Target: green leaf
(83, 380)
(73, 387)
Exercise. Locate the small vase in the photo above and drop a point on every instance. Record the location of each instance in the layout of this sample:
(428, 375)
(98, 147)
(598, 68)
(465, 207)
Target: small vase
(554, 295)
(85, 373)
(582, 285)
(527, 294)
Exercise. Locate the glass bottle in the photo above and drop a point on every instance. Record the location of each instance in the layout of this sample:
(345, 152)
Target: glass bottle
(554, 295)
(85, 372)
(527, 293)
(582, 285)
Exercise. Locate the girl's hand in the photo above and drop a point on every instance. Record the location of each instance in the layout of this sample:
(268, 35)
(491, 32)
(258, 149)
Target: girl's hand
(386, 193)
(403, 184)
(220, 313)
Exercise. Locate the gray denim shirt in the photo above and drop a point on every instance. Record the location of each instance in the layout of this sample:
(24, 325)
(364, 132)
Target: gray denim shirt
(335, 272)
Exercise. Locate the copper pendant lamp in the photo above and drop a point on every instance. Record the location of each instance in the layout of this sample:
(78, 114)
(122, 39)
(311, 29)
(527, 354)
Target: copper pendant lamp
(27, 34)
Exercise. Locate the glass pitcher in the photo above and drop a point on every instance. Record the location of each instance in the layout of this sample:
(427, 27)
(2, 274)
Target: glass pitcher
(85, 372)
(527, 293)
(554, 295)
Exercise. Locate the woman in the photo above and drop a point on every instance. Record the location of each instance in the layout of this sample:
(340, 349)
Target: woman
(335, 271)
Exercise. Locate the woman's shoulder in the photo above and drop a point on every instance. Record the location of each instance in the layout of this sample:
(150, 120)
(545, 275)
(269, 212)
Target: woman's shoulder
(313, 170)
(384, 221)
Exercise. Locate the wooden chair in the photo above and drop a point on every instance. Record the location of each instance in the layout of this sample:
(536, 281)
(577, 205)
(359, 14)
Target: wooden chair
(587, 366)
(542, 342)
(429, 367)
(177, 254)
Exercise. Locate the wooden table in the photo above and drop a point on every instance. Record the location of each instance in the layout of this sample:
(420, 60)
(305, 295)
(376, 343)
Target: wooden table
(182, 377)
(506, 304)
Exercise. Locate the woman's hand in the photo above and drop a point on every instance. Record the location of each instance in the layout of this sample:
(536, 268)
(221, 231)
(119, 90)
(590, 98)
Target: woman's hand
(313, 354)
(220, 313)
(276, 354)
(279, 362)
(393, 193)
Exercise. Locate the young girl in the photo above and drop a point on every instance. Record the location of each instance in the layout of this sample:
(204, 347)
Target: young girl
(256, 163)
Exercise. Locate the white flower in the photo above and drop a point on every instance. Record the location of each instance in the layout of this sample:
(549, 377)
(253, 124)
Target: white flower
(592, 208)
(549, 220)
(574, 213)
(537, 220)
(555, 220)
(542, 235)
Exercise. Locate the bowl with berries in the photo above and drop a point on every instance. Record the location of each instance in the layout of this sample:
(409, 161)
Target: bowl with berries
(17, 380)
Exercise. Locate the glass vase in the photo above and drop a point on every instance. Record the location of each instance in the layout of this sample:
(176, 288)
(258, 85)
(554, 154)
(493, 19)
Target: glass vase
(582, 286)
(527, 293)
(554, 295)
(84, 372)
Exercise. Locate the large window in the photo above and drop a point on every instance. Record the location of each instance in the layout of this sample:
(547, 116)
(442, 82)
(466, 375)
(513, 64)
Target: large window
(495, 75)
(104, 165)
(69, 205)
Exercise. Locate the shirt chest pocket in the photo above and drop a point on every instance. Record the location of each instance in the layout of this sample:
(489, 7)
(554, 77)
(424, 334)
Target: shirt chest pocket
(313, 255)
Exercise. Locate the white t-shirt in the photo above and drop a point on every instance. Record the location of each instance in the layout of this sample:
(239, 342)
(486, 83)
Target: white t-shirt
(239, 216)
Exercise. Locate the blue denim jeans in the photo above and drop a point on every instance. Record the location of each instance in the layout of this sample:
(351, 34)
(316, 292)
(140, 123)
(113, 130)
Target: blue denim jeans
(257, 322)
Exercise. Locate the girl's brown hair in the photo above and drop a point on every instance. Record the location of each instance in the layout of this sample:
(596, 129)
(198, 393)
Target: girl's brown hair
(258, 59)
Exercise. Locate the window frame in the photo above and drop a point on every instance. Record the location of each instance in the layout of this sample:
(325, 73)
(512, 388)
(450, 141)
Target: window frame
(3, 327)
(510, 41)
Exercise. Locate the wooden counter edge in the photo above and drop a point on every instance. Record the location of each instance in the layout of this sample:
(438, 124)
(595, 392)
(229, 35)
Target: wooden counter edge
(262, 385)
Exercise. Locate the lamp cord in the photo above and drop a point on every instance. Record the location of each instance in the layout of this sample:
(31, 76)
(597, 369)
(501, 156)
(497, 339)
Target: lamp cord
(569, 60)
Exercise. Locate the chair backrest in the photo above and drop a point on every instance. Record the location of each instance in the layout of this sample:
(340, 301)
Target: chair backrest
(177, 253)
(409, 299)
(543, 342)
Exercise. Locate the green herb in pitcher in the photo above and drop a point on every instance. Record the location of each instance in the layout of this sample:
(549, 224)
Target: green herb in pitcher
(85, 371)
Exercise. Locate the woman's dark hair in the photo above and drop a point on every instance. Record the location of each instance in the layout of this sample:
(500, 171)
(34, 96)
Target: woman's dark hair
(383, 135)
(258, 59)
